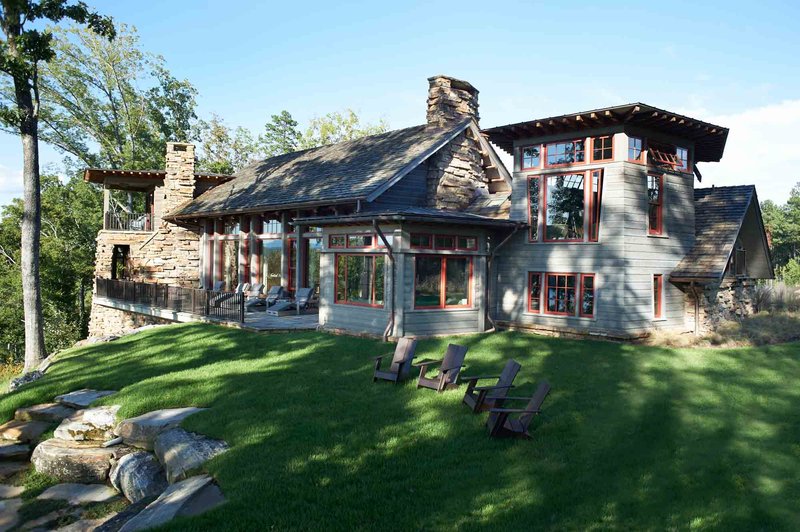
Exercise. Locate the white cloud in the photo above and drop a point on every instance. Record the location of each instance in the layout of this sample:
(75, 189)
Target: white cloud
(10, 184)
(761, 150)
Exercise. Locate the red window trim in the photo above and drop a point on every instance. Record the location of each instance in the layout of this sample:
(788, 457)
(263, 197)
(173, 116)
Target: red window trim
(443, 282)
(659, 229)
(530, 286)
(561, 165)
(658, 295)
(593, 139)
(330, 244)
(593, 225)
(472, 248)
(543, 209)
(522, 159)
(594, 296)
(547, 288)
(642, 153)
(374, 241)
(430, 240)
(539, 212)
(336, 299)
(444, 236)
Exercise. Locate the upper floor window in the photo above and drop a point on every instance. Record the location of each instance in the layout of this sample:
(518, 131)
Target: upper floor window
(570, 204)
(603, 148)
(565, 152)
(530, 157)
(655, 207)
(636, 149)
(682, 155)
(271, 226)
(231, 226)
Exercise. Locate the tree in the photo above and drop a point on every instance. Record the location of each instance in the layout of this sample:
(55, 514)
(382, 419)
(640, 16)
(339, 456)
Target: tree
(280, 136)
(337, 127)
(22, 50)
(223, 150)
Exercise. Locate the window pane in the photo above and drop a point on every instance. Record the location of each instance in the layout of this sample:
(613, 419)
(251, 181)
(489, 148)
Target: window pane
(379, 280)
(271, 263)
(533, 191)
(359, 279)
(337, 241)
(359, 241)
(634, 148)
(683, 158)
(654, 198)
(445, 242)
(587, 301)
(428, 277)
(535, 292)
(456, 290)
(341, 276)
(596, 196)
(530, 157)
(314, 250)
(467, 242)
(602, 148)
(271, 226)
(420, 241)
(565, 152)
(561, 294)
(565, 207)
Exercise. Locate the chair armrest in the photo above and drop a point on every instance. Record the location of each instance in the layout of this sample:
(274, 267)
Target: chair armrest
(380, 356)
(513, 411)
(427, 363)
(479, 377)
(516, 398)
(493, 387)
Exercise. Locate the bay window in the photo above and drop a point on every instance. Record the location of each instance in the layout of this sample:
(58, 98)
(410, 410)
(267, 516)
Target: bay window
(655, 207)
(565, 152)
(359, 280)
(442, 282)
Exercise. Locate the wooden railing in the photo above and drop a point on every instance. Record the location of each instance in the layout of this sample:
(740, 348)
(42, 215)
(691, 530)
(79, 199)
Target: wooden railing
(227, 306)
(128, 221)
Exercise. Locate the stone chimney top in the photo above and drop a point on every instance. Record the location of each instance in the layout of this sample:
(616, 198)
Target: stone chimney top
(179, 181)
(450, 100)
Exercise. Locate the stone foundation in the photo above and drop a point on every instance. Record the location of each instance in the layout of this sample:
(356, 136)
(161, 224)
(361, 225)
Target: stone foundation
(731, 300)
(107, 321)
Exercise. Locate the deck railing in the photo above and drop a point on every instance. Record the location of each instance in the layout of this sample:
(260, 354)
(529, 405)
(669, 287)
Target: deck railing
(227, 306)
(128, 221)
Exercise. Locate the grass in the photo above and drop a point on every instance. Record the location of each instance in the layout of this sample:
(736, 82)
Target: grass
(632, 437)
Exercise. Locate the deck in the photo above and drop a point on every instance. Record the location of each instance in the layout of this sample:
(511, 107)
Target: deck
(258, 320)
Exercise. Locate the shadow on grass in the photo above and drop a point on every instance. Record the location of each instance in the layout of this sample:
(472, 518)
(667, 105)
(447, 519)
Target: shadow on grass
(631, 437)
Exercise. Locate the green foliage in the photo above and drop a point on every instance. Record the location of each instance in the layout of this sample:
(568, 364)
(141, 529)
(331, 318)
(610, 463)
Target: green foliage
(338, 127)
(34, 483)
(96, 510)
(783, 224)
(280, 135)
(790, 272)
(223, 150)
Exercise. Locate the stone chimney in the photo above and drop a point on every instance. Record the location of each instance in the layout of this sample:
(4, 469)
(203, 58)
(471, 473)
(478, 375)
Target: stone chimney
(179, 182)
(456, 175)
(450, 100)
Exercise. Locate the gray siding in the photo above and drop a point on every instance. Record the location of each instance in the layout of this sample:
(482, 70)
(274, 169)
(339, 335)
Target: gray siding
(410, 191)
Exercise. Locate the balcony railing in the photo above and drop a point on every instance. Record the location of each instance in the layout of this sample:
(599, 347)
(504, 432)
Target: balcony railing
(128, 221)
(228, 306)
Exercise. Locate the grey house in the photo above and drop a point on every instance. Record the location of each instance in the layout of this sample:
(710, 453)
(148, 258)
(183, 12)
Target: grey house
(597, 229)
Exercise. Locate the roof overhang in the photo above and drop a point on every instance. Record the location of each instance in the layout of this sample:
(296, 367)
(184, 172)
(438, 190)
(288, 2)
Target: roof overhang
(400, 216)
(98, 175)
(266, 208)
(709, 139)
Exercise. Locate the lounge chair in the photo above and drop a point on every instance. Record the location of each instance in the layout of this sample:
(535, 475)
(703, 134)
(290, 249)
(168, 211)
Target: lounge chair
(240, 289)
(449, 368)
(274, 294)
(502, 426)
(252, 296)
(302, 299)
(401, 362)
(480, 398)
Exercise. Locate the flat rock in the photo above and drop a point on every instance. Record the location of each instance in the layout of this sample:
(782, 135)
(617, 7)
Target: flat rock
(10, 450)
(9, 492)
(91, 424)
(84, 525)
(82, 398)
(182, 452)
(23, 430)
(49, 412)
(140, 431)
(76, 494)
(71, 461)
(8, 513)
(9, 469)
(189, 497)
(138, 476)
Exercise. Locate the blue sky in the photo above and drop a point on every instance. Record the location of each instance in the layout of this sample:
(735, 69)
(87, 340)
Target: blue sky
(723, 62)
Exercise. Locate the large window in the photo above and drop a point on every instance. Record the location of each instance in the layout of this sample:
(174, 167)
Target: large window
(635, 149)
(530, 157)
(360, 280)
(569, 152)
(655, 204)
(229, 263)
(534, 186)
(561, 293)
(442, 282)
(658, 296)
(271, 263)
(564, 207)
(603, 148)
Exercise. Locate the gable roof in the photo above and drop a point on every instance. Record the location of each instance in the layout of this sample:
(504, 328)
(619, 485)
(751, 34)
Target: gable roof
(719, 215)
(338, 173)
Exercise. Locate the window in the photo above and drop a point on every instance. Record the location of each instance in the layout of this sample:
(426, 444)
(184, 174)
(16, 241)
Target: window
(466, 243)
(360, 280)
(444, 242)
(534, 292)
(658, 296)
(442, 282)
(231, 226)
(530, 157)
(655, 200)
(603, 148)
(682, 154)
(663, 156)
(635, 149)
(560, 293)
(564, 152)
(271, 262)
(564, 207)
(421, 241)
(595, 197)
(738, 261)
(337, 241)
(272, 226)
(533, 208)
(359, 241)
(587, 295)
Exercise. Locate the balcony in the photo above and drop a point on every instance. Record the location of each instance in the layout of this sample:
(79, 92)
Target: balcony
(128, 221)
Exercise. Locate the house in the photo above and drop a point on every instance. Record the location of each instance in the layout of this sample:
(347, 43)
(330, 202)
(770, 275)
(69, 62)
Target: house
(597, 229)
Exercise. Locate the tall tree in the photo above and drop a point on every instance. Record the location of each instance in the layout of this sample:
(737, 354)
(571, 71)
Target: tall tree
(280, 135)
(223, 150)
(22, 49)
(337, 127)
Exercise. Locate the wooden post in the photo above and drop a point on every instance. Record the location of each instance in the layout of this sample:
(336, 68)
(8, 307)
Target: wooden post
(106, 204)
(298, 261)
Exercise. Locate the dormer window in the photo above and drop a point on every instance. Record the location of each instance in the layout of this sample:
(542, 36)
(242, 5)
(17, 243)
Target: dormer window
(565, 152)
(530, 157)
(603, 148)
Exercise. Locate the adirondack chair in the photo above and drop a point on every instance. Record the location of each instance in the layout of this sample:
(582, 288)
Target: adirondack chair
(480, 398)
(501, 425)
(449, 368)
(252, 296)
(274, 294)
(401, 362)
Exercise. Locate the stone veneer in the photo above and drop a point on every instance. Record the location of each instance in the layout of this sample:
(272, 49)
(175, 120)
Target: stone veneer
(455, 173)
(730, 300)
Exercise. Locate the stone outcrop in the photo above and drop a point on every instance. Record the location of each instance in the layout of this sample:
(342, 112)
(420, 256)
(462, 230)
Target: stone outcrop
(49, 412)
(82, 462)
(184, 452)
(141, 431)
(138, 476)
(82, 398)
(9, 469)
(91, 424)
(78, 493)
(22, 380)
(24, 431)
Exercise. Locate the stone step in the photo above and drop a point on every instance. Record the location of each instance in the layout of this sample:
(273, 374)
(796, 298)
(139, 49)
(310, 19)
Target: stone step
(14, 450)
(141, 431)
(49, 412)
(25, 431)
(9, 492)
(9, 469)
(91, 424)
(76, 494)
(82, 398)
(183, 452)
(72, 461)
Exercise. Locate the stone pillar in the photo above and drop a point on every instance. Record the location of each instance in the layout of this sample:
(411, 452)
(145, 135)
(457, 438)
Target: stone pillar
(179, 182)
(450, 101)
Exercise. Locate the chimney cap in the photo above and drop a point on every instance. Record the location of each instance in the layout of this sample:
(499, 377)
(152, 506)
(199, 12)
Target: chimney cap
(455, 83)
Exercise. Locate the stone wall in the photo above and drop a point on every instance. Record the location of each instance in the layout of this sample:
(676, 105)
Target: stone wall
(730, 300)
(107, 321)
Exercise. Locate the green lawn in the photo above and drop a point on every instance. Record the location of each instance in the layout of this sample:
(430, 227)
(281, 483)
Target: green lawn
(632, 437)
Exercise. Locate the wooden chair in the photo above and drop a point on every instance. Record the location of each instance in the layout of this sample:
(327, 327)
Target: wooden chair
(480, 398)
(401, 362)
(449, 368)
(502, 426)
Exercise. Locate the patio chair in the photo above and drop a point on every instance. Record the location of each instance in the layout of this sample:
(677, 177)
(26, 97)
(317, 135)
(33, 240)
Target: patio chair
(302, 300)
(252, 296)
(401, 362)
(274, 294)
(480, 398)
(449, 368)
(501, 425)
(241, 288)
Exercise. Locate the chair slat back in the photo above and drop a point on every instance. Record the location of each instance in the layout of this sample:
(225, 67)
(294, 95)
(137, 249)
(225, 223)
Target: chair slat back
(452, 362)
(256, 289)
(403, 355)
(303, 295)
(218, 286)
(506, 378)
(535, 403)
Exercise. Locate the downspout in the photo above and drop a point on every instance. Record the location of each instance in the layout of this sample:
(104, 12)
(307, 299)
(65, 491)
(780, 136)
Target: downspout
(489, 263)
(390, 326)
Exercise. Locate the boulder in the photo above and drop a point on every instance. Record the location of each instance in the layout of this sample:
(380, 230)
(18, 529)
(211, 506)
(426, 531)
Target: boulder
(49, 412)
(182, 452)
(76, 494)
(23, 430)
(8, 513)
(140, 431)
(189, 497)
(84, 525)
(82, 398)
(10, 450)
(72, 461)
(27, 378)
(90, 424)
(138, 476)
